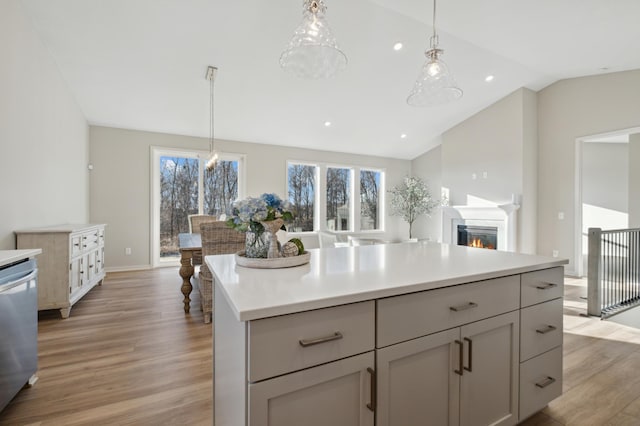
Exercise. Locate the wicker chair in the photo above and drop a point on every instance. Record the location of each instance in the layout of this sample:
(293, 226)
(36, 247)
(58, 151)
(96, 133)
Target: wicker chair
(195, 220)
(217, 238)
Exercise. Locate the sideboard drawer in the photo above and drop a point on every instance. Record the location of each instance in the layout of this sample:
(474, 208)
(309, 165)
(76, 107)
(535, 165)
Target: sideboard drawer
(540, 381)
(288, 343)
(414, 315)
(540, 286)
(541, 328)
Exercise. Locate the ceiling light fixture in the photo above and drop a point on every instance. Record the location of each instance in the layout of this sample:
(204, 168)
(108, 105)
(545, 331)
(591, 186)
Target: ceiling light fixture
(313, 51)
(213, 154)
(397, 46)
(327, 124)
(403, 136)
(488, 78)
(435, 84)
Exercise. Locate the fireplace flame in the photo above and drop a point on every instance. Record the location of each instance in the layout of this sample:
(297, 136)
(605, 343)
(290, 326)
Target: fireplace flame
(477, 242)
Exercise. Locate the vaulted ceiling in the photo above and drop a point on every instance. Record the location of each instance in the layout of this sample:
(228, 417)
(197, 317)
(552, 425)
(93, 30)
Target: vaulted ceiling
(140, 64)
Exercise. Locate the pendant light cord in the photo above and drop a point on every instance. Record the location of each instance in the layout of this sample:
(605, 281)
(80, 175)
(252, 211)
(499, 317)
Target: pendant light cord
(434, 37)
(211, 117)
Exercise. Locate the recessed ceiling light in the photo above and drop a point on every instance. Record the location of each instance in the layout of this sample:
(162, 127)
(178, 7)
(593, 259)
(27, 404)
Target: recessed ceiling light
(397, 46)
(488, 78)
(403, 136)
(327, 124)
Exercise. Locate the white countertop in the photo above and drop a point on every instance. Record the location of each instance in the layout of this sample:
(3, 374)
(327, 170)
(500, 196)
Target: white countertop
(10, 256)
(336, 276)
(67, 228)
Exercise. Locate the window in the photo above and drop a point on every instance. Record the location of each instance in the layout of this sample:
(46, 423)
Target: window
(301, 186)
(370, 203)
(182, 186)
(338, 199)
(220, 187)
(345, 199)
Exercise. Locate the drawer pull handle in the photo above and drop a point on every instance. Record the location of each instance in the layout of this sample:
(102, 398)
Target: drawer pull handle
(463, 307)
(549, 380)
(460, 370)
(77, 244)
(372, 405)
(310, 342)
(470, 368)
(546, 286)
(546, 330)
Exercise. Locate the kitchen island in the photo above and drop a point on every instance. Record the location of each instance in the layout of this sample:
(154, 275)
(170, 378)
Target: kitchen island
(402, 333)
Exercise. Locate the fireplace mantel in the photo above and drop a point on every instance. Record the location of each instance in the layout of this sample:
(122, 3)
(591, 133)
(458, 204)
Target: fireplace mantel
(503, 216)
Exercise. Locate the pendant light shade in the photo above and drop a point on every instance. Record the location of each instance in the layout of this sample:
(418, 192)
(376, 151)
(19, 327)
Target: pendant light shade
(213, 154)
(435, 84)
(313, 51)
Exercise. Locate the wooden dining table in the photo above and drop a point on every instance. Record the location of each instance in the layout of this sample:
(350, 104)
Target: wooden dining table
(189, 244)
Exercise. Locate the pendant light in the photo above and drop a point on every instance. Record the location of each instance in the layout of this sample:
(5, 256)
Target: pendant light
(213, 154)
(435, 84)
(313, 51)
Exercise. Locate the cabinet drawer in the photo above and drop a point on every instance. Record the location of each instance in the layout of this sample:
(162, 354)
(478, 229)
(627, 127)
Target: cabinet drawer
(90, 240)
(76, 244)
(287, 343)
(541, 328)
(540, 381)
(540, 286)
(413, 315)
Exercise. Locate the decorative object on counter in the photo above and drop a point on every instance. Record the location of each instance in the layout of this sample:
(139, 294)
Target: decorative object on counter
(273, 263)
(313, 51)
(261, 218)
(412, 199)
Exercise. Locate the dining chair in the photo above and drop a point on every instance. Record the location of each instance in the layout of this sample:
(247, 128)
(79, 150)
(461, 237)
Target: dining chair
(194, 226)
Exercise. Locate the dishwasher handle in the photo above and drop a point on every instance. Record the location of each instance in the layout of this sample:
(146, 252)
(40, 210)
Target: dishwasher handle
(21, 280)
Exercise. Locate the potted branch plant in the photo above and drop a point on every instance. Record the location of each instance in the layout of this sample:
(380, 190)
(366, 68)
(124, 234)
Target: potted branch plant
(412, 199)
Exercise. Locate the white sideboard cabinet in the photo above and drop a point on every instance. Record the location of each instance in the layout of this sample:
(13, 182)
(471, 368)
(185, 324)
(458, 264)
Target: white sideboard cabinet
(71, 263)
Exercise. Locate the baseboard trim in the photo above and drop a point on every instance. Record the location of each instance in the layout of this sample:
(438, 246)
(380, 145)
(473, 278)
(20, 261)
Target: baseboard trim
(127, 268)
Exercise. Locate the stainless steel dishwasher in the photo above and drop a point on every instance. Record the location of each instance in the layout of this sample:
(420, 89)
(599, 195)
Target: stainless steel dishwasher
(18, 327)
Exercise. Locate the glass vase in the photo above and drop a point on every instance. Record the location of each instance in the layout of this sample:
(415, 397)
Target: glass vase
(256, 244)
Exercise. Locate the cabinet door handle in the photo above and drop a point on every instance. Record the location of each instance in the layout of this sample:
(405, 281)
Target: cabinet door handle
(546, 330)
(310, 342)
(77, 244)
(546, 286)
(463, 307)
(470, 368)
(546, 382)
(372, 405)
(460, 370)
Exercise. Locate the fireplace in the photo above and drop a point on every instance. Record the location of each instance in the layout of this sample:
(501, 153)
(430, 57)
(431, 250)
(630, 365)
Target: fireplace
(478, 236)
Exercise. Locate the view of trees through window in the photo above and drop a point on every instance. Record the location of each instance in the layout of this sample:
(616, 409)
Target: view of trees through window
(338, 199)
(369, 199)
(301, 183)
(180, 192)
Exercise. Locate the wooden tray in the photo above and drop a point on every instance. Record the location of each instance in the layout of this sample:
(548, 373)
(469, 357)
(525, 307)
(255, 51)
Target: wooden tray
(279, 262)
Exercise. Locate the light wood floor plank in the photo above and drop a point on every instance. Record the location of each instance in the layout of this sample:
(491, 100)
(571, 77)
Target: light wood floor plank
(128, 355)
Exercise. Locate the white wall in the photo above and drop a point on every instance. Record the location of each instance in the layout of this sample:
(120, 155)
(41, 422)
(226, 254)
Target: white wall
(634, 181)
(428, 166)
(120, 182)
(567, 110)
(43, 135)
(501, 141)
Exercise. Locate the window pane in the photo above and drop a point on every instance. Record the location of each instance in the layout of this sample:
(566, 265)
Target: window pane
(338, 199)
(369, 196)
(220, 187)
(178, 199)
(301, 182)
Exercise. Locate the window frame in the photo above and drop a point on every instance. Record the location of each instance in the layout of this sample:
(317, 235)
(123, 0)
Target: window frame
(320, 208)
(156, 152)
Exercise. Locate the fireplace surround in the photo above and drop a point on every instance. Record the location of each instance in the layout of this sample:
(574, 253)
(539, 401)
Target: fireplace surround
(502, 217)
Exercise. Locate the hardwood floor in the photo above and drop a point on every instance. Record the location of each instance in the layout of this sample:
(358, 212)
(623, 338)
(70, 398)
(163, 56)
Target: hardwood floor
(128, 355)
